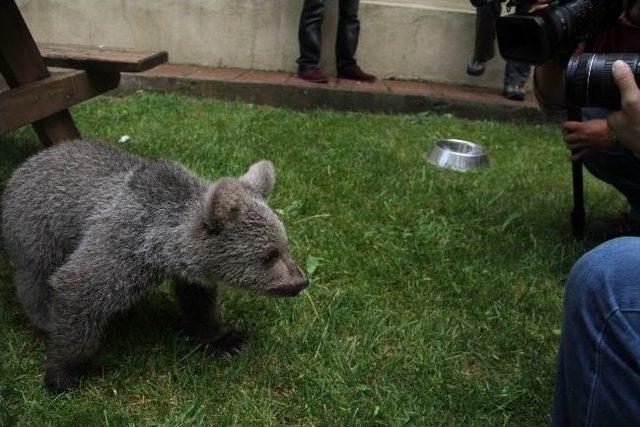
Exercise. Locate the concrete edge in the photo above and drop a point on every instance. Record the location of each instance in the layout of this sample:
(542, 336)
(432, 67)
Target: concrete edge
(309, 97)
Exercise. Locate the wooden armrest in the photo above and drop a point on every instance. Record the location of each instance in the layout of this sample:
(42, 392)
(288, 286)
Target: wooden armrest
(38, 100)
(100, 58)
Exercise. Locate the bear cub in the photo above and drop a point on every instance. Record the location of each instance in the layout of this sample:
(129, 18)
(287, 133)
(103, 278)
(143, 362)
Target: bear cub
(90, 229)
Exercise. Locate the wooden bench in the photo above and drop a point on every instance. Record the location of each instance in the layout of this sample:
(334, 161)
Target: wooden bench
(43, 100)
(102, 59)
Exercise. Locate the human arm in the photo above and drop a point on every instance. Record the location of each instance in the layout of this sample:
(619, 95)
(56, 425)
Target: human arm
(582, 137)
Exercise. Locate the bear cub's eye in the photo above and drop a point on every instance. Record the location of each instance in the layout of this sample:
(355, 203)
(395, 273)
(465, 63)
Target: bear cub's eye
(271, 257)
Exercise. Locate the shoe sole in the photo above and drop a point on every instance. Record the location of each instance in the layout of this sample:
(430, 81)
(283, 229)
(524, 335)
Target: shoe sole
(475, 73)
(514, 97)
(357, 80)
(314, 81)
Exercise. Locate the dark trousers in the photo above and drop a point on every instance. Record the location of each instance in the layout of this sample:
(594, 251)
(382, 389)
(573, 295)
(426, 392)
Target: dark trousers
(618, 167)
(310, 33)
(515, 72)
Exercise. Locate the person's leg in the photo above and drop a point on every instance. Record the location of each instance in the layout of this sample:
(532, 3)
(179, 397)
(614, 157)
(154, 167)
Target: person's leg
(347, 42)
(310, 32)
(484, 50)
(310, 38)
(486, 16)
(620, 168)
(617, 167)
(599, 355)
(516, 73)
(515, 77)
(348, 33)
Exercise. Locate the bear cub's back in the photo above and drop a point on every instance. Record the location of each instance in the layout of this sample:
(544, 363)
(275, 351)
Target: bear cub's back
(54, 194)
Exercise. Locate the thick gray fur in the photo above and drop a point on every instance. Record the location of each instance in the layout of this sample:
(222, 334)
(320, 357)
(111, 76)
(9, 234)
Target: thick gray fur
(90, 228)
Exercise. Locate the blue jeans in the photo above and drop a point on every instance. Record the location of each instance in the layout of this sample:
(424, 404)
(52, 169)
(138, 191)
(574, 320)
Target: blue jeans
(598, 382)
(616, 166)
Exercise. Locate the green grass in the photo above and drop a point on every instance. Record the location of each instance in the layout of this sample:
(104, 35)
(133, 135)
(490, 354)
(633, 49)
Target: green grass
(435, 296)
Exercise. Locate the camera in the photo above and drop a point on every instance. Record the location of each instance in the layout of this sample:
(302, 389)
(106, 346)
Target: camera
(589, 79)
(554, 31)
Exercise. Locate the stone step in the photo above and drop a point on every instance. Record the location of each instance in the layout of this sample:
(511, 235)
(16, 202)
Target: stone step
(283, 89)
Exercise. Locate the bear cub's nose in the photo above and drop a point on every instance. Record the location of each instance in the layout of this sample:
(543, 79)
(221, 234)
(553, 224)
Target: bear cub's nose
(303, 284)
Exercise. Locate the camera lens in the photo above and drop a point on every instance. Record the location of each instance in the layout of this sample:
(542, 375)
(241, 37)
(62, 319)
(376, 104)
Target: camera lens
(590, 83)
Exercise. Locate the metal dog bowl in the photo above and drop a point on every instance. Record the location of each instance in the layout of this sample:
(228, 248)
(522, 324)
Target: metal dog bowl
(457, 154)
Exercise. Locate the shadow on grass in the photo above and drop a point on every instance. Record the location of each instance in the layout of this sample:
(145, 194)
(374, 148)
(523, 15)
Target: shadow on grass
(16, 148)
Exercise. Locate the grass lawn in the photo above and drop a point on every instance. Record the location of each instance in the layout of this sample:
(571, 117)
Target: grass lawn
(435, 295)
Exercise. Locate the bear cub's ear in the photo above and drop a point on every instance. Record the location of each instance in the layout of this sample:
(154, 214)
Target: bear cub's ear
(223, 203)
(261, 176)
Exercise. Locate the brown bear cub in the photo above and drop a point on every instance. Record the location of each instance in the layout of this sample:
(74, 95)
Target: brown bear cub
(90, 229)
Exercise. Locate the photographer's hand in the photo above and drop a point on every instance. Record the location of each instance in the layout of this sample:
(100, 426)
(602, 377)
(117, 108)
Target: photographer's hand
(582, 137)
(538, 5)
(625, 124)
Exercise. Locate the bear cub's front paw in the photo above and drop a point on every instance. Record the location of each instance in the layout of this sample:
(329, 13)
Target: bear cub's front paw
(59, 379)
(232, 341)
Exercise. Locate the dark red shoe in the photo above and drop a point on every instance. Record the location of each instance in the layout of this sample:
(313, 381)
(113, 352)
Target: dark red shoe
(312, 74)
(354, 72)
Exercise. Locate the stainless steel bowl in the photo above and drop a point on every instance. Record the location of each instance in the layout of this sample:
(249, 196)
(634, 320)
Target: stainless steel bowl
(457, 154)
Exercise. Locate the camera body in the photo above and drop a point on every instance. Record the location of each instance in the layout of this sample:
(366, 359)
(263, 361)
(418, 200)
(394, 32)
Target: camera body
(554, 31)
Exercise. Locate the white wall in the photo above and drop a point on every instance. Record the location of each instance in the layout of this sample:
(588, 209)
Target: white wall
(411, 39)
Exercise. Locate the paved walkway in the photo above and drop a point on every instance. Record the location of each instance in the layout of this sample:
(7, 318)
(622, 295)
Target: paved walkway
(286, 90)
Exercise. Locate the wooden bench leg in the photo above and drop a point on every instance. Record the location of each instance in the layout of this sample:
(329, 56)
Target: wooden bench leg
(21, 63)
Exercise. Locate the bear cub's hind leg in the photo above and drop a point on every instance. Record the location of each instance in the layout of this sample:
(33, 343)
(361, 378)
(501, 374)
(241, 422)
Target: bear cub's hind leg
(201, 320)
(33, 293)
(83, 298)
(70, 345)
(73, 337)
